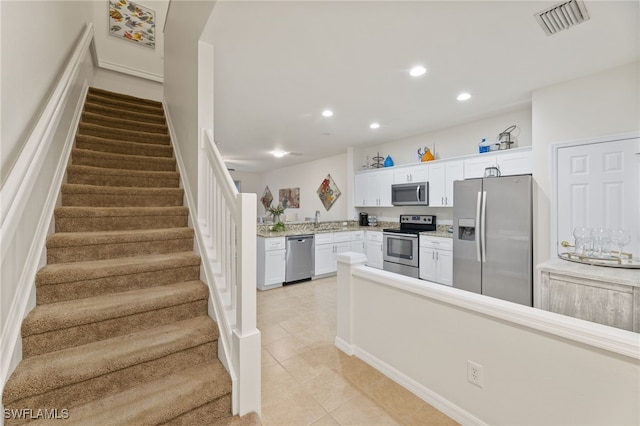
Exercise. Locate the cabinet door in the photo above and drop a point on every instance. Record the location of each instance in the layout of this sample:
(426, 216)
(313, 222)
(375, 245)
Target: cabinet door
(444, 273)
(474, 167)
(325, 259)
(340, 248)
(382, 182)
(374, 254)
(428, 264)
(275, 267)
(454, 172)
(358, 246)
(360, 189)
(518, 163)
(437, 177)
(401, 175)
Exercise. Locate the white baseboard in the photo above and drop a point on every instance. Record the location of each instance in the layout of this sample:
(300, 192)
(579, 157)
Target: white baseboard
(130, 71)
(343, 345)
(24, 299)
(442, 404)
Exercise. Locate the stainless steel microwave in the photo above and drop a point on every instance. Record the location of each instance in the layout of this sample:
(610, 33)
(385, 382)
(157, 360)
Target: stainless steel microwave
(410, 194)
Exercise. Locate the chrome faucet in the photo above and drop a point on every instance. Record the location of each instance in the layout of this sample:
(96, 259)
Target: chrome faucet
(317, 219)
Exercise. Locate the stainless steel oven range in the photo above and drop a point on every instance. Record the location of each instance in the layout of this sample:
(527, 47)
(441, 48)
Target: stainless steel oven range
(400, 246)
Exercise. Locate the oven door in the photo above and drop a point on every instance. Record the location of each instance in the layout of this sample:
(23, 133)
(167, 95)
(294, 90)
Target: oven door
(400, 248)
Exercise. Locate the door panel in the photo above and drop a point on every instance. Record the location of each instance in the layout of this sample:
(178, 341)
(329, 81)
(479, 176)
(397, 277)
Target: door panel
(467, 271)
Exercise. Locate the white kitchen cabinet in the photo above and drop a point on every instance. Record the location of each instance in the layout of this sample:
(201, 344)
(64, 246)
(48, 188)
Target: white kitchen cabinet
(441, 178)
(374, 249)
(474, 167)
(436, 259)
(271, 262)
(327, 247)
(324, 259)
(410, 174)
(373, 188)
(509, 162)
(357, 242)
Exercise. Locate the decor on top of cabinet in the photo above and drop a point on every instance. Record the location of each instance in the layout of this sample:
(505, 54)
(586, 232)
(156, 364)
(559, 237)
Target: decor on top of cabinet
(504, 138)
(132, 22)
(377, 161)
(290, 198)
(388, 162)
(328, 192)
(267, 198)
(426, 154)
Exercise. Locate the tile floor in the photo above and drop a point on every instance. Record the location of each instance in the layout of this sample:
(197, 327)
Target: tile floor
(306, 380)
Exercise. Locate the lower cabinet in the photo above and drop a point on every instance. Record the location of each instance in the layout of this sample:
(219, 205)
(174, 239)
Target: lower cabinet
(374, 249)
(436, 259)
(271, 259)
(327, 247)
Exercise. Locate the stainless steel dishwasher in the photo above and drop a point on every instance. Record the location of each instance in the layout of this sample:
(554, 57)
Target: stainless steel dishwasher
(299, 258)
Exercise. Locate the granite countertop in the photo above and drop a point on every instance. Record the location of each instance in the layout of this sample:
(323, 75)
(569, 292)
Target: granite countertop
(593, 272)
(308, 228)
(442, 232)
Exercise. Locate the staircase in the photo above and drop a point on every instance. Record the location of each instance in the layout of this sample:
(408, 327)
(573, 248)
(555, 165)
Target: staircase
(120, 334)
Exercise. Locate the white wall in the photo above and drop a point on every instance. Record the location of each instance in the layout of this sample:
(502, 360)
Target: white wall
(185, 22)
(128, 84)
(308, 177)
(534, 372)
(119, 53)
(37, 39)
(601, 104)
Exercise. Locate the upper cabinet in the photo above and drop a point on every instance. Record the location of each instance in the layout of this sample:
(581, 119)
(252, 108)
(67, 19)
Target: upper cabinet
(373, 188)
(441, 177)
(509, 162)
(410, 174)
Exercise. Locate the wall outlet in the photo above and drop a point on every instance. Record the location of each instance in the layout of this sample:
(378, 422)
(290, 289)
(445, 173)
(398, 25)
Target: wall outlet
(474, 373)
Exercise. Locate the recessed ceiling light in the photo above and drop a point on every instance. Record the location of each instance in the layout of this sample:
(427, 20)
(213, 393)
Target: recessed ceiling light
(278, 153)
(417, 71)
(327, 113)
(374, 125)
(464, 96)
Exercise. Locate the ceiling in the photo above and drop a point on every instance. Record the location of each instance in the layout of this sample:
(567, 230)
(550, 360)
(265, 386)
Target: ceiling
(278, 65)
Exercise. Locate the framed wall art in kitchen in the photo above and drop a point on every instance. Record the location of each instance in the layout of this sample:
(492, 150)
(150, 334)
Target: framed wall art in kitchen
(267, 198)
(290, 198)
(328, 192)
(132, 22)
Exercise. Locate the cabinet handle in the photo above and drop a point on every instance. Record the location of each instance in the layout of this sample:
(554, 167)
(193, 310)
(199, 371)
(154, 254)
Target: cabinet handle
(437, 256)
(442, 200)
(433, 255)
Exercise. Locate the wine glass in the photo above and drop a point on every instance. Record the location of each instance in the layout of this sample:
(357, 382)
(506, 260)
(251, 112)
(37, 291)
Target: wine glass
(583, 238)
(620, 238)
(601, 239)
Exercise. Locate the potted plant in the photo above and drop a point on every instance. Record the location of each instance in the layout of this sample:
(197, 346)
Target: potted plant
(276, 212)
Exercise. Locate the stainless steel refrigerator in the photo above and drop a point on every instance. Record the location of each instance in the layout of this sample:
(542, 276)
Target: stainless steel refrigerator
(493, 237)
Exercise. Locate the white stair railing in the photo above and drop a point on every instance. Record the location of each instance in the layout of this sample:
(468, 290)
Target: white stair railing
(227, 220)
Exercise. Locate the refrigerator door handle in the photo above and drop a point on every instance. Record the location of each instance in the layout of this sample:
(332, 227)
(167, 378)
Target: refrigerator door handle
(482, 228)
(478, 225)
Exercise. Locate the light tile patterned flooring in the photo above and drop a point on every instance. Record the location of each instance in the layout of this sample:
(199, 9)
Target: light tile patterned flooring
(306, 380)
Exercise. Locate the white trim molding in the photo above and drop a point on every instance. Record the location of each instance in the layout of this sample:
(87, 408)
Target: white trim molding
(112, 66)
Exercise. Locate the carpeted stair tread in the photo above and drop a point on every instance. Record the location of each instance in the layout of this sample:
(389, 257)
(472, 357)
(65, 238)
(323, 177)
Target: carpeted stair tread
(159, 401)
(75, 280)
(83, 219)
(120, 196)
(42, 373)
(61, 325)
(121, 96)
(96, 143)
(131, 115)
(118, 177)
(84, 246)
(123, 105)
(123, 123)
(87, 157)
(106, 132)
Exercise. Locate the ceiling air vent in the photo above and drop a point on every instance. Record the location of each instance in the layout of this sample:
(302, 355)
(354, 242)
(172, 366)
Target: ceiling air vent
(562, 16)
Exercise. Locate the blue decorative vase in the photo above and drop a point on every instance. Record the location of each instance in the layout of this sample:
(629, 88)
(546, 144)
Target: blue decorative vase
(388, 162)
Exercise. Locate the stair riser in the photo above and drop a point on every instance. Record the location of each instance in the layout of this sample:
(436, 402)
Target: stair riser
(115, 250)
(115, 147)
(124, 135)
(87, 333)
(122, 180)
(124, 124)
(124, 163)
(94, 91)
(76, 394)
(119, 223)
(115, 113)
(113, 284)
(113, 200)
(217, 409)
(124, 106)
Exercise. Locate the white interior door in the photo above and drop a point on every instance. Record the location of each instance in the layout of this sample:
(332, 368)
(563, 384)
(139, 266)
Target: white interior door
(599, 186)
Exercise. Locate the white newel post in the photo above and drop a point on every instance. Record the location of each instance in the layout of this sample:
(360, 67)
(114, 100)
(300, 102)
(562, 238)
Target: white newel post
(346, 262)
(246, 337)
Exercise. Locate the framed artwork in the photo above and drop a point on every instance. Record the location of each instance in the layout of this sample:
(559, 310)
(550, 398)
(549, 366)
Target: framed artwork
(328, 192)
(132, 22)
(290, 198)
(267, 198)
